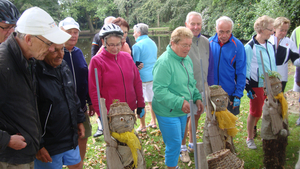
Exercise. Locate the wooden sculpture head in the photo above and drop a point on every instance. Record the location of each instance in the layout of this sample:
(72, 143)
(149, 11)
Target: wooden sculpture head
(121, 118)
(219, 97)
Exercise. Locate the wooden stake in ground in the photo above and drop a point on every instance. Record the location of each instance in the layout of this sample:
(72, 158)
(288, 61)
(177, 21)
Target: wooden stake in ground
(111, 148)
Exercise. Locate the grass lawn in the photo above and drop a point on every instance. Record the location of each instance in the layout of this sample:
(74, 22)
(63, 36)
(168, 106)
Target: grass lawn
(154, 147)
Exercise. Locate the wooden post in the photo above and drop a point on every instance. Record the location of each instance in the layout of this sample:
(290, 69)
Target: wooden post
(276, 120)
(213, 133)
(113, 160)
(202, 162)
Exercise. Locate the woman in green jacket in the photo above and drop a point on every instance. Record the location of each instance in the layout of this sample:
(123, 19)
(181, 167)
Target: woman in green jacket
(173, 86)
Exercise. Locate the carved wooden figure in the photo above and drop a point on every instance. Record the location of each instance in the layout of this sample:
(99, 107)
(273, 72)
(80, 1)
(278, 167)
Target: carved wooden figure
(124, 149)
(274, 138)
(221, 120)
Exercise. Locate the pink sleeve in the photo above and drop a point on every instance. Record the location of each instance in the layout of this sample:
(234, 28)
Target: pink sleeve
(138, 88)
(92, 83)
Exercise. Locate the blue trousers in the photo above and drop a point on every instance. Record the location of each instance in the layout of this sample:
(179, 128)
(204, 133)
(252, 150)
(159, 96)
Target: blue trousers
(172, 130)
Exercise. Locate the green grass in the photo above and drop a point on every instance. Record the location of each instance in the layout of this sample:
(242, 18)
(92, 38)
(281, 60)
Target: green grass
(95, 157)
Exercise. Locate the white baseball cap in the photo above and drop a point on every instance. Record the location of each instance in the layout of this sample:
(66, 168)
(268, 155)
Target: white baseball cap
(36, 21)
(68, 23)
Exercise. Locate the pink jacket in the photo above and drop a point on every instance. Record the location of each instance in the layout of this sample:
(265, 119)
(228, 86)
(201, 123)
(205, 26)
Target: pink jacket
(118, 79)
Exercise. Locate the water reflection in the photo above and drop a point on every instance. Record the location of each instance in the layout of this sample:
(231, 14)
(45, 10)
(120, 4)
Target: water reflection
(85, 44)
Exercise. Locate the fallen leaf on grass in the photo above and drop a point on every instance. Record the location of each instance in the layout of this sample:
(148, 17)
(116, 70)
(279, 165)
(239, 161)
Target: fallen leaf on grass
(157, 148)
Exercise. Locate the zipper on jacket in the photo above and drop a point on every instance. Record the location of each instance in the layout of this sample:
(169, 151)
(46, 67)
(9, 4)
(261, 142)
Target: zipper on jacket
(45, 126)
(188, 78)
(73, 69)
(122, 79)
(219, 66)
(268, 56)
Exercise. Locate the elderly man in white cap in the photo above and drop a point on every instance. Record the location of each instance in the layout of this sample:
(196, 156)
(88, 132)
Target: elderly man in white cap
(79, 68)
(20, 128)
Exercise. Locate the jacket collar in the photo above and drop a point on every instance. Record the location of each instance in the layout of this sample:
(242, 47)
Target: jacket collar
(216, 38)
(14, 48)
(142, 37)
(173, 54)
(105, 53)
(256, 42)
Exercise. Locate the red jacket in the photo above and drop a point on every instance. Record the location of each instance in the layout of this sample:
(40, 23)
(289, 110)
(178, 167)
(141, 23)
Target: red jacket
(118, 79)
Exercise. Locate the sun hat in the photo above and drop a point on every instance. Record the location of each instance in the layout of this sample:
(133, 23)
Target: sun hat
(36, 21)
(68, 23)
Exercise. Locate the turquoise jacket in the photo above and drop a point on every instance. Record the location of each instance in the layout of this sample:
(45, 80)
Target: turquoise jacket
(254, 65)
(173, 82)
(145, 50)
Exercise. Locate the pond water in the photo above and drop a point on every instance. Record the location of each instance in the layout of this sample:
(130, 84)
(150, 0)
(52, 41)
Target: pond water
(85, 44)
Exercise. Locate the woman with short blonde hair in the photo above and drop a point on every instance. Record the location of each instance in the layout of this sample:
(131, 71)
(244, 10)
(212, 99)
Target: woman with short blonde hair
(258, 45)
(173, 86)
(262, 23)
(180, 33)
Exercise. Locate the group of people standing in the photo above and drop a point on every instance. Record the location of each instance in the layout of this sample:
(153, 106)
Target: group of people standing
(48, 92)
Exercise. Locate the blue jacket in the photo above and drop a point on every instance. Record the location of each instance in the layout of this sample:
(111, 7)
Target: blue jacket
(229, 65)
(145, 50)
(254, 66)
(79, 69)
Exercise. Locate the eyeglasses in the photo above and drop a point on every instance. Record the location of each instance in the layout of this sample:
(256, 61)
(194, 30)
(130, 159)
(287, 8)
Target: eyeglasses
(269, 29)
(114, 45)
(47, 43)
(185, 45)
(8, 28)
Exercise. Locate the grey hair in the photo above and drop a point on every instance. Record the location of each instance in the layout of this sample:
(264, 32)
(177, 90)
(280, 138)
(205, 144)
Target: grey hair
(190, 14)
(109, 20)
(226, 19)
(142, 28)
(20, 35)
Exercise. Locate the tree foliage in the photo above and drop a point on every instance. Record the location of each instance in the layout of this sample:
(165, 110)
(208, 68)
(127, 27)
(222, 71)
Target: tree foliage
(171, 13)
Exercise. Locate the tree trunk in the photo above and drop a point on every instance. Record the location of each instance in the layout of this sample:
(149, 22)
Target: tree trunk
(157, 20)
(90, 24)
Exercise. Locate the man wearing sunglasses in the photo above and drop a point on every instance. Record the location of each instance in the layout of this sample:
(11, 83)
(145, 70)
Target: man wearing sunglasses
(20, 127)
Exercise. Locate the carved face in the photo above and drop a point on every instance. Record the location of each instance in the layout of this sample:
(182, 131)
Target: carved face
(221, 102)
(122, 123)
(276, 86)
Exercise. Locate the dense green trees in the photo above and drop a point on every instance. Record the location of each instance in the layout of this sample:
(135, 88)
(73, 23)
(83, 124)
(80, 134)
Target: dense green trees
(171, 13)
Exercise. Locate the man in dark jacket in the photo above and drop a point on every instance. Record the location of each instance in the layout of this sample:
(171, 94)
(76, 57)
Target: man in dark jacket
(79, 68)
(60, 113)
(20, 129)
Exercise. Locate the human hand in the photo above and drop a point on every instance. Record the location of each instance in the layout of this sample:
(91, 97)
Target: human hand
(141, 65)
(43, 155)
(81, 130)
(91, 111)
(236, 102)
(17, 142)
(185, 107)
(251, 95)
(200, 107)
(140, 112)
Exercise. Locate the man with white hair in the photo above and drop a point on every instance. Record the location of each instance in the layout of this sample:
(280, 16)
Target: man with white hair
(20, 128)
(199, 50)
(229, 62)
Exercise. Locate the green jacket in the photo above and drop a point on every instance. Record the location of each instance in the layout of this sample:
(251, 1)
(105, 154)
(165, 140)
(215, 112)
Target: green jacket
(173, 82)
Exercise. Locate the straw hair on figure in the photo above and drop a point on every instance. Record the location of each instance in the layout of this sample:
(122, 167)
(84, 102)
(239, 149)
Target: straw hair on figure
(121, 120)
